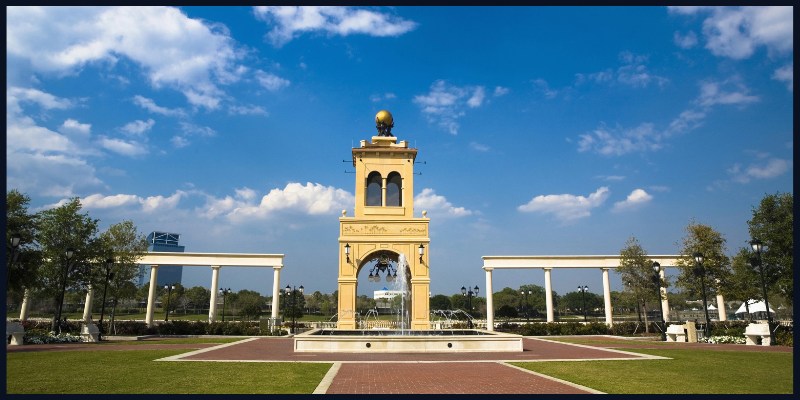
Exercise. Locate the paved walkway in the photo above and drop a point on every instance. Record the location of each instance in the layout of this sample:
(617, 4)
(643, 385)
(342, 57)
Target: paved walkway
(419, 373)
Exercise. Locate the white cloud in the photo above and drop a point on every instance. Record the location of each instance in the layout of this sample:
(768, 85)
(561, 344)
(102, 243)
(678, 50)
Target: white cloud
(543, 87)
(290, 21)
(634, 200)
(736, 32)
(73, 127)
(172, 49)
(161, 203)
(138, 127)
(619, 141)
(311, 199)
(270, 81)
(685, 41)
(150, 105)
(247, 110)
(444, 104)
(634, 72)
(438, 206)
(729, 92)
(98, 201)
(771, 168)
(376, 98)
(566, 207)
(479, 147)
(119, 146)
(785, 74)
(500, 91)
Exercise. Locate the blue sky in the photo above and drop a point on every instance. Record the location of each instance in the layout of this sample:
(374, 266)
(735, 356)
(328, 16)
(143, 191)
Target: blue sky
(544, 130)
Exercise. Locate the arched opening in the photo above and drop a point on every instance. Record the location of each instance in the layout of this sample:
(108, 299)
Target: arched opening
(374, 187)
(394, 184)
(383, 298)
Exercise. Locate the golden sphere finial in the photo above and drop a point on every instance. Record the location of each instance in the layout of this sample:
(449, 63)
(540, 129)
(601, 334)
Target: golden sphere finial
(384, 122)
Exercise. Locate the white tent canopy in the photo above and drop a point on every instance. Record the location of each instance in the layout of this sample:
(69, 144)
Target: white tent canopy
(711, 307)
(754, 306)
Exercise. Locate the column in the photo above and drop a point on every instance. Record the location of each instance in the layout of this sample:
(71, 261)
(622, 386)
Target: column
(151, 297)
(721, 308)
(212, 307)
(607, 296)
(276, 290)
(87, 308)
(383, 191)
(548, 294)
(23, 311)
(489, 300)
(664, 299)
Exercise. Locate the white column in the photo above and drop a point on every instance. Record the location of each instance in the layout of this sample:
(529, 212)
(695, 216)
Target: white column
(23, 311)
(276, 290)
(87, 308)
(212, 308)
(548, 294)
(151, 296)
(721, 308)
(664, 299)
(607, 296)
(489, 300)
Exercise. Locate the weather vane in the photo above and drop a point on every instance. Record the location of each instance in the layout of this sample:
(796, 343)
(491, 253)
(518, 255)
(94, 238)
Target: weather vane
(384, 123)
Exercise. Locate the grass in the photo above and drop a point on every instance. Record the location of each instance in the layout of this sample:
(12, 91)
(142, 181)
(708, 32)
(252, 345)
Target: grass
(135, 372)
(689, 371)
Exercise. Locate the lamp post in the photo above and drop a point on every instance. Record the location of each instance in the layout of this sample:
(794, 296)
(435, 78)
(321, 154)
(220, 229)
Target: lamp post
(224, 293)
(109, 275)
(759, 247)
(469, 293)
(421, 249)
(525, 294)
(292, 291)
(15, 241)
(583, 291)
(68, 253)
(657, 282)
(699, 270)
(347, 252)
(169, 294)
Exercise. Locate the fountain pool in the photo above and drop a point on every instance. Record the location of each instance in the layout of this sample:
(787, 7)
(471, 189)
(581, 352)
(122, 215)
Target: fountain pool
(406, 341)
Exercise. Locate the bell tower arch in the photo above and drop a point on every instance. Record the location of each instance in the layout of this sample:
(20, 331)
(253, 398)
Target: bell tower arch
(384, 220)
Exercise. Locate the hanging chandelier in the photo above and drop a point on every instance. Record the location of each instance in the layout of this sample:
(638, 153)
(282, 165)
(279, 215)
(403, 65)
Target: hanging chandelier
(383, 265)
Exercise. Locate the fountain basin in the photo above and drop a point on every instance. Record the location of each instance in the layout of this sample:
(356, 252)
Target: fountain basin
(406, 341)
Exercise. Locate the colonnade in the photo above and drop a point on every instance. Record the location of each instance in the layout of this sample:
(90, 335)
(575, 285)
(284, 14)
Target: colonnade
(548, 263)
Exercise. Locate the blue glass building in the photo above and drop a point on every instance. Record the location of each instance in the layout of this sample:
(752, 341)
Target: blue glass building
(167, 274)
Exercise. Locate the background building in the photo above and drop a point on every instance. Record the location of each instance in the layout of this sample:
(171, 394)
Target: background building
(167, 274)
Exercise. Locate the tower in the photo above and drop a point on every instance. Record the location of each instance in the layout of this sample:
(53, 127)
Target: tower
(384, 225)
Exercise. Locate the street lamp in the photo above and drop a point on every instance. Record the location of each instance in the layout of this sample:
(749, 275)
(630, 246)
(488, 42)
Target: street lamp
(583, 291)
(109, 275)
(15, 241)
(169, 294)
(347, 252)
(293, 292)
(657, 281)
(525, 307)
(224, 292)
(68, 253)
(759, 247)
(469, 294)
(421, 252)
(699, 270)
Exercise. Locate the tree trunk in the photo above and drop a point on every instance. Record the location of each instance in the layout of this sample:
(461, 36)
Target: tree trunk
(646, 324)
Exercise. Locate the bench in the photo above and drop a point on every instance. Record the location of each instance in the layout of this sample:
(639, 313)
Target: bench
(90, 333)
(676, 333)
(755, 333)
(15, 333)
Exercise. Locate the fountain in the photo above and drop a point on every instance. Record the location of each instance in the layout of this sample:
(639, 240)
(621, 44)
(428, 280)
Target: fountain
(384, 227)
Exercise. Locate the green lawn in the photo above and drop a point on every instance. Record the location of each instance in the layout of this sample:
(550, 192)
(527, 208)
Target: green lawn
(135, 372)
(690, 371)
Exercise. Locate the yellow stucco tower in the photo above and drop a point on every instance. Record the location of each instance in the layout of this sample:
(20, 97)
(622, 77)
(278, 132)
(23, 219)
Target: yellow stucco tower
(384, 226)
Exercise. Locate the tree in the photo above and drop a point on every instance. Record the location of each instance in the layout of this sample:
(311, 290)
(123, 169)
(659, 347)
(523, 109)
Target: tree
(637, 272)
(507, 311)
(249, 303)
(198, 297)
(742, 283)
(440, 302)
(772, 223)
(22, 269)
(716, 265)
(122, 244)
(61, 229)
